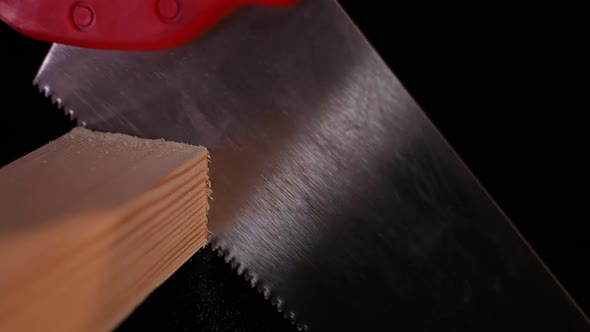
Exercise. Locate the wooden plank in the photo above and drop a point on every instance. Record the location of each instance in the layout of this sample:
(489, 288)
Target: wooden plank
(92, 223)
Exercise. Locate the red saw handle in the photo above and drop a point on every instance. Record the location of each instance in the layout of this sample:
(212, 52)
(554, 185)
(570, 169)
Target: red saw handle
(119, 24)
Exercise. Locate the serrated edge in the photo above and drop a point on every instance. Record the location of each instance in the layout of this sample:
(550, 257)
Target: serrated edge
(276, 301)
(45, 89)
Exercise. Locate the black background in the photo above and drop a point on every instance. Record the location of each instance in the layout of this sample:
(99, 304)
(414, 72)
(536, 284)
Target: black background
(504, 86)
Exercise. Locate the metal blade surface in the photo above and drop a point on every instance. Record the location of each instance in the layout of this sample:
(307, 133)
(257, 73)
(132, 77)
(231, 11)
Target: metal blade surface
(333, 193)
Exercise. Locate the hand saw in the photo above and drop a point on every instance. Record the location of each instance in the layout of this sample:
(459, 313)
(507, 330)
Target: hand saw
(334, 194)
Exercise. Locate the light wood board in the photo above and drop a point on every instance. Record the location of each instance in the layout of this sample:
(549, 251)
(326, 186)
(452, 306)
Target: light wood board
(91, 223)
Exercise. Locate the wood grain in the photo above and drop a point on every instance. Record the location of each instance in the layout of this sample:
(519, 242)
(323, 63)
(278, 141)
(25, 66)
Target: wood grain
(91, 223)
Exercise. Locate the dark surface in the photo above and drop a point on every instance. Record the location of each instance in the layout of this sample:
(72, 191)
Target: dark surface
(205, 295)
(493, 87)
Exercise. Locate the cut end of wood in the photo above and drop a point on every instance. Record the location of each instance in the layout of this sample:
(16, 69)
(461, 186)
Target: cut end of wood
(94, 222)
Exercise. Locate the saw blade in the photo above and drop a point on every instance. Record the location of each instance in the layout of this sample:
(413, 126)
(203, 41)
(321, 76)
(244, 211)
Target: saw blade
(334, 194)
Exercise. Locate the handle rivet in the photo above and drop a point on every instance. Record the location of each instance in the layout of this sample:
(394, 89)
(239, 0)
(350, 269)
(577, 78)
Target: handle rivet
(169, 10)
(83, 16)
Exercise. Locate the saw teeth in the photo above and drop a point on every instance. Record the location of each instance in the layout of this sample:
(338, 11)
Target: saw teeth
(301, 327)
(263, 290)
(250, 277)
(57, 101)
(45, 89)
(235, 265)
(278, 303)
